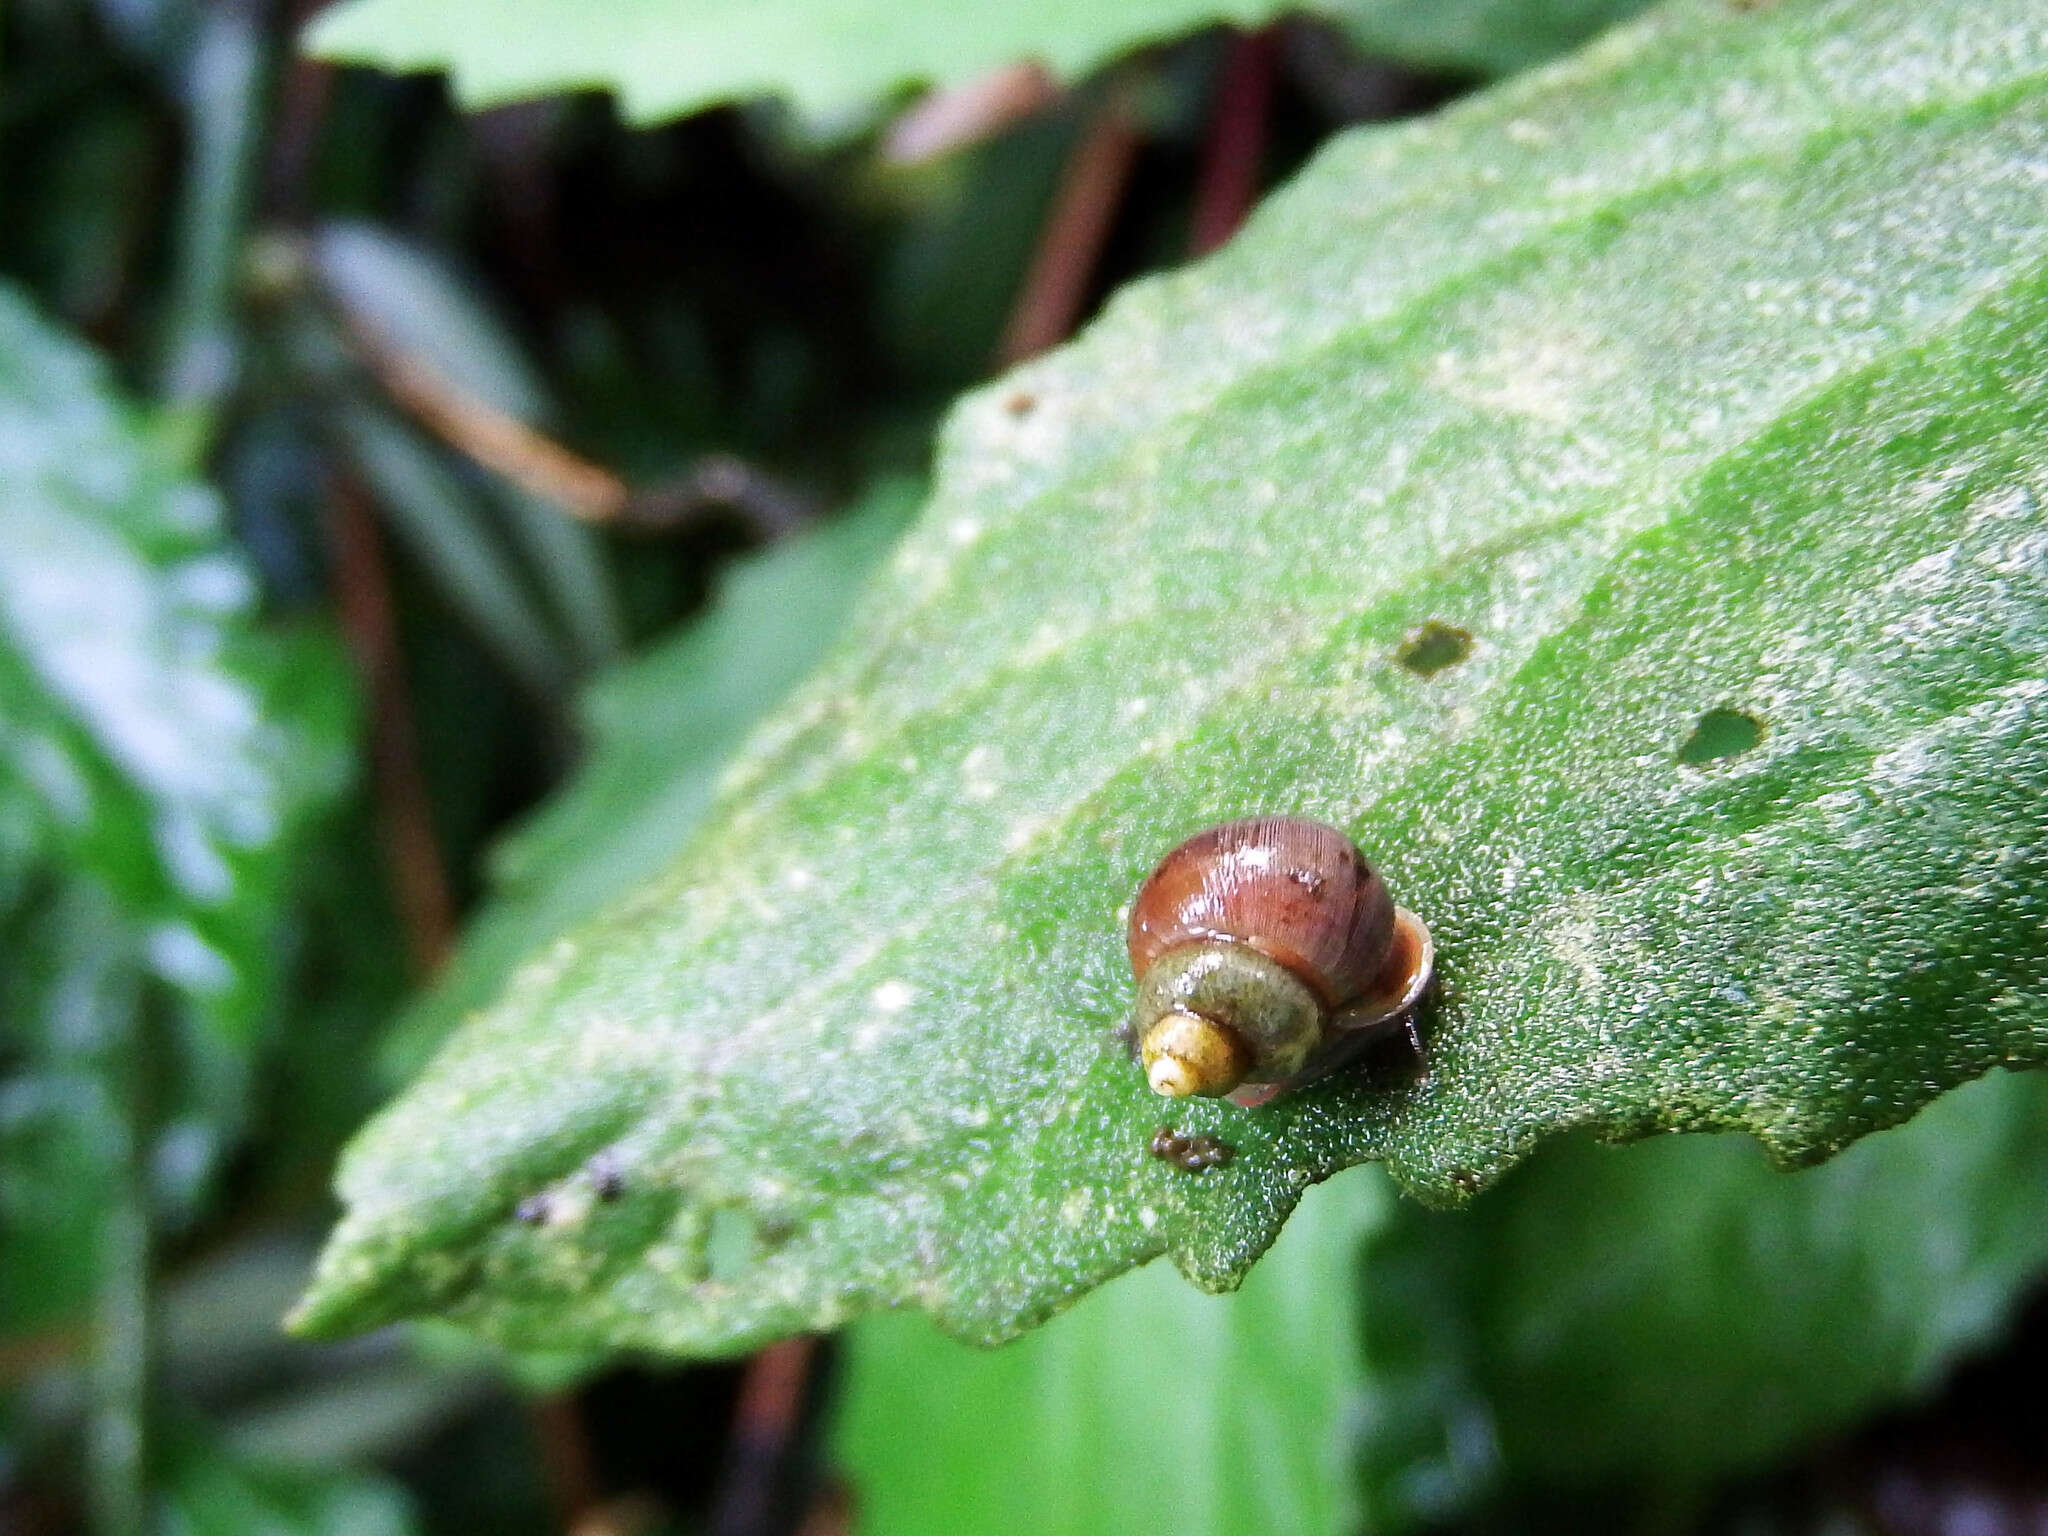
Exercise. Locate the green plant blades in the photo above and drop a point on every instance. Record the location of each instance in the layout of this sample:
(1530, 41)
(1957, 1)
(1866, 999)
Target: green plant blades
(211, 1492)
(661, 728)
(1150, 1407)
(1669, 1314)
(666, 57)
(409, 303)
(1702, 373)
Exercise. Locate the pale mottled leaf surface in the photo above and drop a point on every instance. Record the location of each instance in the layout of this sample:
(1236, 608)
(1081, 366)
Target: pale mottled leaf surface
(161, 750)
(666, 57)
(1703, 372)
(150, 732)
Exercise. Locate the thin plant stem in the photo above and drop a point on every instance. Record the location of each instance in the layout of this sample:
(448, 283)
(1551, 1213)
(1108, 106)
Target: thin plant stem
(362, 590)
(1062, 271)
(1231, 161)
(766, 1423)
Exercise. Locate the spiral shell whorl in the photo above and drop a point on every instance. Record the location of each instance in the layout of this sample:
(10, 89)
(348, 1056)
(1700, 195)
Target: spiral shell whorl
(1295, 890)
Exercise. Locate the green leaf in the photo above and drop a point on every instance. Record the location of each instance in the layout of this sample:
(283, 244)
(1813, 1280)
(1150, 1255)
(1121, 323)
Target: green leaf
(67, 994)
(666, 57)
(1488, 37)
(158, 754)
(1150, 1407)
(209, 1492)
(149, 735)
(1679, 1311)
(660, 728)
(1704, 373)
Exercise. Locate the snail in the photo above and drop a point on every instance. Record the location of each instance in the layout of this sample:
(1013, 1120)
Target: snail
(1267, 951)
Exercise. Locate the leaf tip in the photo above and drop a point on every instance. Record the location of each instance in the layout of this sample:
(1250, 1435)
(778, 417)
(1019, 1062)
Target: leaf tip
(353, 32)
(358, 1284)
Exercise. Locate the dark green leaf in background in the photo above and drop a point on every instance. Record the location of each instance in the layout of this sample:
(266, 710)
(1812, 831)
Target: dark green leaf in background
(1701, 374)
(1670, 1313)
(1149, 1407)
(660, 730)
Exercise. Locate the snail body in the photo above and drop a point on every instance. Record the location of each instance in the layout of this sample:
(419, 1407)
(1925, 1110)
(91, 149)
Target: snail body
(1266, 950)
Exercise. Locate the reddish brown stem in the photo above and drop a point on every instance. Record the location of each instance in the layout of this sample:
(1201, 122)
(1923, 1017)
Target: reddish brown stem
(1063, 267)
(405, 824)
(295, 136)
(1237, 142)
(585, 490)
(496, 439)
(565, 1456)
(766, 1421)
(967, 113)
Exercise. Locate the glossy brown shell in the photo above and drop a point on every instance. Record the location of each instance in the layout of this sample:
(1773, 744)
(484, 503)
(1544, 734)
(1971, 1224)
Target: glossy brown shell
(1295, 890)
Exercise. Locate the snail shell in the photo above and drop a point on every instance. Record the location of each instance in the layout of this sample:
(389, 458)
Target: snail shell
(1266, 950)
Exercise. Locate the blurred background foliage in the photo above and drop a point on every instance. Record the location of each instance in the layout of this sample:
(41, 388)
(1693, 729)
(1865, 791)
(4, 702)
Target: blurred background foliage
(401, 508)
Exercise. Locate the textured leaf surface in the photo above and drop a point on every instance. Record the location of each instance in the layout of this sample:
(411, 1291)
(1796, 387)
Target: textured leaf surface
(1698, 381)
(1150, 1407)
(665, 57)
(1677, 1311)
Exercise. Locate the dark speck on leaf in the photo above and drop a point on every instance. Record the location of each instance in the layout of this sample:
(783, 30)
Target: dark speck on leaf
(607, 1178)
(1190, 1154)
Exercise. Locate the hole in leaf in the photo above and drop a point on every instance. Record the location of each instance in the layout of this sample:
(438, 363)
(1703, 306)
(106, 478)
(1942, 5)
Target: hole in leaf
(1720, 733)
(1434, 647)
(729, 1245)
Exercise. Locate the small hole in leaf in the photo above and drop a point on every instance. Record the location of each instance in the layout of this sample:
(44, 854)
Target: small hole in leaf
(1720, 733)
(729, 1245)
(1433, 648)
(1021, 403)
